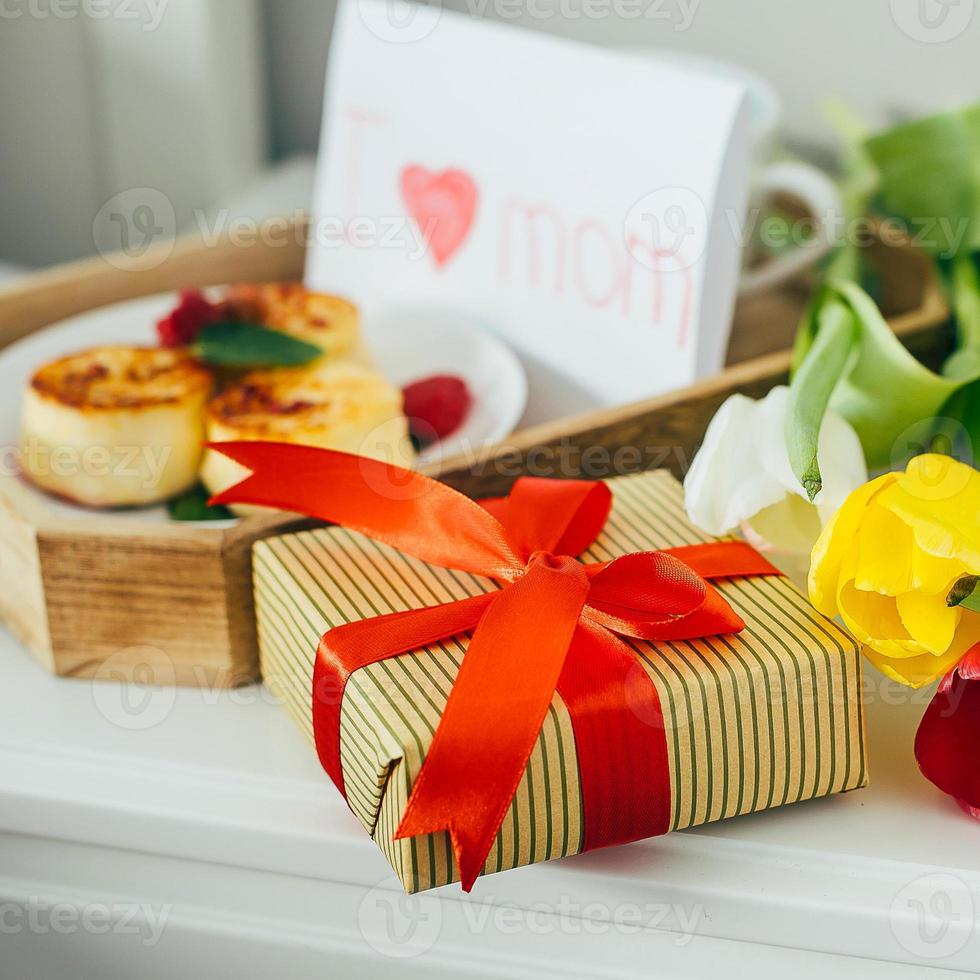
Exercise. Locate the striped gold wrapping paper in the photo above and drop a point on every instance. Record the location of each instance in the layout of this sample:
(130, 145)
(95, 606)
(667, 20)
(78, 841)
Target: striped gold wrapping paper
(769, 717)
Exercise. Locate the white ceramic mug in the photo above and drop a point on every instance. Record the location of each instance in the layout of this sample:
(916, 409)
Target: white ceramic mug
(808, 184)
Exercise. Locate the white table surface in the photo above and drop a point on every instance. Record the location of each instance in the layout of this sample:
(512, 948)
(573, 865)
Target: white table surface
(210, 807)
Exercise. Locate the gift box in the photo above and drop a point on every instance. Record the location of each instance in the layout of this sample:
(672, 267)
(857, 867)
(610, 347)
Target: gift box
(746, 721)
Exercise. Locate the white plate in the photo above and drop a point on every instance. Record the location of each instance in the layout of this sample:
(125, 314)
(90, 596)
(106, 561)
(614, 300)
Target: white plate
(411, 343)
(407, 344)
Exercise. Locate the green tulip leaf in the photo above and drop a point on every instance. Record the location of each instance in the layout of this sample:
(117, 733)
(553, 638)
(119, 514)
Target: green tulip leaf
(887, 395)
(966, 593)
(894, 403)
(846, 356)
(930, 176)
(972, 602)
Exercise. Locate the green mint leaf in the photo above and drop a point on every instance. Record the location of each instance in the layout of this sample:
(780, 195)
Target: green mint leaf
(965, 593)
(247, 345)
(193, 506)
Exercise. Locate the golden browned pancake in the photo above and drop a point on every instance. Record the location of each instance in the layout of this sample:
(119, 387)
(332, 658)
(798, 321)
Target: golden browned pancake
(328, 322)
(116, 426)
(339, 406)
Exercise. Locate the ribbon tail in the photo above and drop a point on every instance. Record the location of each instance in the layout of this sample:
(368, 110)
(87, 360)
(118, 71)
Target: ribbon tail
(347, 648)
(476, 760)
(619, 740)
(399, 507)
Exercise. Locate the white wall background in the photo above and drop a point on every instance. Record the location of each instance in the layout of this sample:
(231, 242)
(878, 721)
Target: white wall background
(164, 94)
(88, 109)
(882, 57)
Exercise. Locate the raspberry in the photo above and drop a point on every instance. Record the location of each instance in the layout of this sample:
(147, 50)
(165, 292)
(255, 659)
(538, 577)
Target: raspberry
(191, 315)
(436, 407)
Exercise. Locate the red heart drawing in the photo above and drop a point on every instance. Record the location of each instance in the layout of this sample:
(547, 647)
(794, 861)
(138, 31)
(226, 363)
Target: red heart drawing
(442, 204)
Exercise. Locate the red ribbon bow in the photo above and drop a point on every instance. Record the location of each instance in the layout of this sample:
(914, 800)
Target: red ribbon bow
(555, 625)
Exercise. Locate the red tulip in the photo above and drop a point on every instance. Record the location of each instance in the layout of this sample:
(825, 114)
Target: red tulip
(947, 745)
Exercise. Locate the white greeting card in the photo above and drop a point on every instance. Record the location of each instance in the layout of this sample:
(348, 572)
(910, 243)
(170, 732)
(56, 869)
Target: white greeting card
(578, 201)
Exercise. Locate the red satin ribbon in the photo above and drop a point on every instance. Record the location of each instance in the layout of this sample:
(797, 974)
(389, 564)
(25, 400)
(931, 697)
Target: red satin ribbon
(555, 625)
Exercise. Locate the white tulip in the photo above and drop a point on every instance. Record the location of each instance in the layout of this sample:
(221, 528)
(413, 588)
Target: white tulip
(741, 476)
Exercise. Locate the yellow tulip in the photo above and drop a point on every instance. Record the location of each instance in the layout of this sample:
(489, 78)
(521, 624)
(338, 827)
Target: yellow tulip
(889, 560)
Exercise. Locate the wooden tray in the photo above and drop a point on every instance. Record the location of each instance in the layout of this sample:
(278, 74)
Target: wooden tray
(99, 597)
